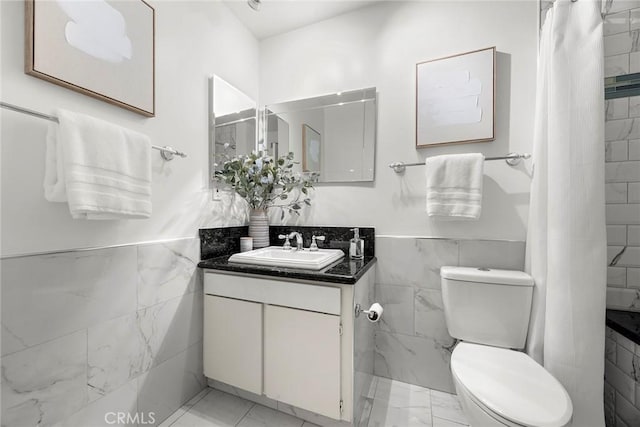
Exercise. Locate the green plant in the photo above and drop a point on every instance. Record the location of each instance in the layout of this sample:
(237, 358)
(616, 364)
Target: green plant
(264, 181)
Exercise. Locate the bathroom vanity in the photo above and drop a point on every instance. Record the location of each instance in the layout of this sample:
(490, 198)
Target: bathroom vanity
(291, 335)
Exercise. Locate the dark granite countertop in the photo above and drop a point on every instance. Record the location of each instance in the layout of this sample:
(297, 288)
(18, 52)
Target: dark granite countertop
(626, 323)
(218, 244)
(345, 271)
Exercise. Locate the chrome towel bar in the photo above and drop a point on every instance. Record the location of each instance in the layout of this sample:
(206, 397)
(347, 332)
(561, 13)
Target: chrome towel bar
(166, 152)
(512, 159)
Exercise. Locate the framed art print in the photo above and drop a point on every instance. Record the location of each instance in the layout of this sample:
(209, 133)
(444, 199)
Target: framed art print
(455, 99)
(104, 49)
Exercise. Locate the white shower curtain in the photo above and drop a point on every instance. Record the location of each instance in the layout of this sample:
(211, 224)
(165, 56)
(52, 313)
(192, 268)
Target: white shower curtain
(566, 241)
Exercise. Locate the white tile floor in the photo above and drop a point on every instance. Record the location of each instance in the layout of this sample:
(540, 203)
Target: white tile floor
(394, 404)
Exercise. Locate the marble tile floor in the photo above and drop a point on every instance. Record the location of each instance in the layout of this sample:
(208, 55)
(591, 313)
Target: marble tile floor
(394, 404)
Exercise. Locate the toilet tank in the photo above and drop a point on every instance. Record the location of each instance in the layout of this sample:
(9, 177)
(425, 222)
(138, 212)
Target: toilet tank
(487, 306)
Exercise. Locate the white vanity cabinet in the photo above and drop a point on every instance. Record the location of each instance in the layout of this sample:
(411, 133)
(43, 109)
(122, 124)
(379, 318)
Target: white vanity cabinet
(233, 342)
(302, 359)
(289, 340)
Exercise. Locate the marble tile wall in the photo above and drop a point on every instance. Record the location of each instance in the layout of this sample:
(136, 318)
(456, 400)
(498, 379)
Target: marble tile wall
(622, 156)
(621, 31)
(412, 344)
(622, 381)
(94, 332)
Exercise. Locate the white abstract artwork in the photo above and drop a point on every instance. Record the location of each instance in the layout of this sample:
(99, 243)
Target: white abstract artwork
(97, 29)
(452, 98)
(455, 99)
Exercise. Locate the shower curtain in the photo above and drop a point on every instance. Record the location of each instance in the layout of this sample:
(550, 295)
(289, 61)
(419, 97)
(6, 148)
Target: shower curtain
(566, 238)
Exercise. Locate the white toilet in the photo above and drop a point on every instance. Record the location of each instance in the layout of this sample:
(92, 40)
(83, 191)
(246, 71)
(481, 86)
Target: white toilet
(488, 310)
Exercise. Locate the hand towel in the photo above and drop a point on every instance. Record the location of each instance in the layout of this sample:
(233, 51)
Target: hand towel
(102, 170)
(454, 185)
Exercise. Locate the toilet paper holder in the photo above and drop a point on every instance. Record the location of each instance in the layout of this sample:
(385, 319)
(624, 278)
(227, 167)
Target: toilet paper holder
(372, 315)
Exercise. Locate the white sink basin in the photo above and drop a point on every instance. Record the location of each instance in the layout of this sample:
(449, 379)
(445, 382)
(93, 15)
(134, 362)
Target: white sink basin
(278, 257)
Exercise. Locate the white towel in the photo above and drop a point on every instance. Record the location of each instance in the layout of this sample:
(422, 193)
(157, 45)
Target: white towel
(102, 170)
(454, 185)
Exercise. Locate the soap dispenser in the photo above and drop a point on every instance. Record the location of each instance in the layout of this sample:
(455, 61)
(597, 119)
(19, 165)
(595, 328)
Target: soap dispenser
(356, 245)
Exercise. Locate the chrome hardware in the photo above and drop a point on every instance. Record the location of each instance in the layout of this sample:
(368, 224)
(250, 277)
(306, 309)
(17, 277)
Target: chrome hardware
(299, 241)
(166, 152)
(400, 167)
(314, 246)
(372, 315)
(287, 244)
(512, 159)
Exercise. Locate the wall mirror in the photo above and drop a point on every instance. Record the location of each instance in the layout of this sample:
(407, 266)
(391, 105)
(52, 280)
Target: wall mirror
(333, 135)
(233, 123)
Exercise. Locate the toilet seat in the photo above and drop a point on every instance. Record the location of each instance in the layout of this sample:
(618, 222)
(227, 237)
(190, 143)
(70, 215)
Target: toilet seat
(509, 385)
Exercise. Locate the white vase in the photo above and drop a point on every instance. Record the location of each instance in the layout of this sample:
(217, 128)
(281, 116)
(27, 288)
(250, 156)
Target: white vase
(259, 228)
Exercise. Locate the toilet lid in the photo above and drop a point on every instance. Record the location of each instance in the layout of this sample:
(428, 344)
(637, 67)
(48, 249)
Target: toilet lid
(512, 385)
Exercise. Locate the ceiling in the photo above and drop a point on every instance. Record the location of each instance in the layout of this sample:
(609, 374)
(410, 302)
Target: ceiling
(281, 16)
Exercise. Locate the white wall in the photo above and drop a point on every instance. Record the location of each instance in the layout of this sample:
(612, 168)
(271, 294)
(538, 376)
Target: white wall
(379, 46)
(193, 40)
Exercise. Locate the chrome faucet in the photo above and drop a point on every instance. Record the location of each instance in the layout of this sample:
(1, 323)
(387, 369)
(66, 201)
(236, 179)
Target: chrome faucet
(298, 237)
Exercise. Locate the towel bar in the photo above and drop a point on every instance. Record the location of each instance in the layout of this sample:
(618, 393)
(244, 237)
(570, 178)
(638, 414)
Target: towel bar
(167, 152)
(512, 159)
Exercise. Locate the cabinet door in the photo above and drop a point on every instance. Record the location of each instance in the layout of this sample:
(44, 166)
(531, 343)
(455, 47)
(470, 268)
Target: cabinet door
(233, 342)
(302, 359)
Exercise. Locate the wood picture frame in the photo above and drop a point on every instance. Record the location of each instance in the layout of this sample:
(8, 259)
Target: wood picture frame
(311, 149)
(455, 99)
(102, 49)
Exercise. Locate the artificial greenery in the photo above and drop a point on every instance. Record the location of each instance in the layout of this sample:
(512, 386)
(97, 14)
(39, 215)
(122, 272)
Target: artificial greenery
(265, 182)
